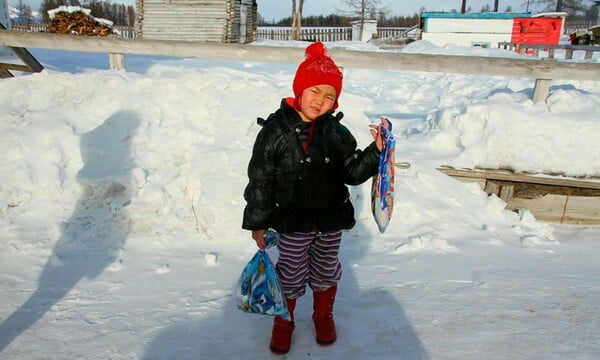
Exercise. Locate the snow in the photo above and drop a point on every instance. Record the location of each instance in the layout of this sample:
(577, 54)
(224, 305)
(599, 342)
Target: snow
(121, 204)
(75, 9)
(68, 9)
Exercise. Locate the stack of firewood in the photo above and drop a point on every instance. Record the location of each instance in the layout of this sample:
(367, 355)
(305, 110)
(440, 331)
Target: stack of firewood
(78, 23)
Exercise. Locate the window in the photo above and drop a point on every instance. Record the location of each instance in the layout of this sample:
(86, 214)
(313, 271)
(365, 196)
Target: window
(479, 44)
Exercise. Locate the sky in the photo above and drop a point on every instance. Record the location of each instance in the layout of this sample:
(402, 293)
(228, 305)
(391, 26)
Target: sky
(121, 205)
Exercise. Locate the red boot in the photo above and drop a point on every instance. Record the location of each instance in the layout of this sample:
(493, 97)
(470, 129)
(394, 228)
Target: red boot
(323, 315)
(281, 337)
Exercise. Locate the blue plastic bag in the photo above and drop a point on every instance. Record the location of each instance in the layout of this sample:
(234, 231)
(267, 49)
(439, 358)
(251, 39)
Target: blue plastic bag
(259, 290)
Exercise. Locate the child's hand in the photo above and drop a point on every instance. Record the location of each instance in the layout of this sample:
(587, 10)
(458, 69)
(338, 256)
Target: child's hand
(259, 237)
(377, 133)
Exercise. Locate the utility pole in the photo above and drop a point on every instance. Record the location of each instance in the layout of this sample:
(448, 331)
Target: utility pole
(495, 5)
(463, 8)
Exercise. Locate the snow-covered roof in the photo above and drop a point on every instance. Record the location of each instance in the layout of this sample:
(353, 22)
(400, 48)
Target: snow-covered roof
(490, 15)
(68, 9)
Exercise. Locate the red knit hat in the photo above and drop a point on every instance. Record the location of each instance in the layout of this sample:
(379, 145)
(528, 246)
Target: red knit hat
(317, 69)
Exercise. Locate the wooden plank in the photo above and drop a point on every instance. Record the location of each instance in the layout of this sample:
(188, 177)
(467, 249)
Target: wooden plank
(588, 54)
(479, 181)
(492, 187)
(4, 74)
(547, 198)
(582, 210)
(16, 67)
(590, 183)
(24, 55)
(506, 193)
(548, 208)
(562, 209)
(116, 61)
(541, 90)
(488, 66)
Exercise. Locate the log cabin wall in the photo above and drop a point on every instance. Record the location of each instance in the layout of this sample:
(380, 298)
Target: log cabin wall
(228, 21)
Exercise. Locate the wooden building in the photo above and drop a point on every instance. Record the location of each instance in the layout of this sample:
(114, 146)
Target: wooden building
(227, 21)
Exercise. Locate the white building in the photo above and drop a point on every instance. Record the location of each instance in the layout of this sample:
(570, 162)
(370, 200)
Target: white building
(470, 30)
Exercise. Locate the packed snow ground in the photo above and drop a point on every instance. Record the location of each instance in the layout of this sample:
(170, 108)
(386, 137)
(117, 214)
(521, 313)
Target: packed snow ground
(121, 203)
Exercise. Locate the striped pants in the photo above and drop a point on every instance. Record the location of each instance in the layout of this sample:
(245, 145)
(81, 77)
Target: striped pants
(308, 258)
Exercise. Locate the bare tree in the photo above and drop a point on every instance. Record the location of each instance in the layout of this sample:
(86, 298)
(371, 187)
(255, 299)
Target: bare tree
(296, 19)
(569, 6)
(25, 13)
(363, 9)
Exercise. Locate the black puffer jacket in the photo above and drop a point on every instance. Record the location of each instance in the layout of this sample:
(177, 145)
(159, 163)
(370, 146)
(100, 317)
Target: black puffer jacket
(293, 190)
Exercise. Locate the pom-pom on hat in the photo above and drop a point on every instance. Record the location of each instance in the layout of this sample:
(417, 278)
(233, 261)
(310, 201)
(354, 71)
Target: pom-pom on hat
(317, 69)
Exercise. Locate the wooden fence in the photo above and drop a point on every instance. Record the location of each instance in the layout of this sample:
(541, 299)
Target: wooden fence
(534, 50)
(321, 33)
(572, 26)
(306, 33)
(325, 34)
(543, 71)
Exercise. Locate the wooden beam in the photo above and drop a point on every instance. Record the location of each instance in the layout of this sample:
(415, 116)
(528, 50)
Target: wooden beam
(541, 89)
(116, 61)
(487, 66)
(27, 58)
(4, 74)
(24, 55)
(16, 67)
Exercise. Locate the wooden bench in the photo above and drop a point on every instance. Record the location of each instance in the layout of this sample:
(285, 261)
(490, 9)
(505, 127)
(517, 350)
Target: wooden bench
(552, 198)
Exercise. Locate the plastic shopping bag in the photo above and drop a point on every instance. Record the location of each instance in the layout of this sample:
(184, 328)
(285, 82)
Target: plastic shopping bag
(382, 189)
(259, 290)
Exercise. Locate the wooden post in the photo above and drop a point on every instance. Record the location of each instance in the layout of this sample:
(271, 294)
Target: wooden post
(506, 194)
(492, 187)
(4, 74)
(541, 90)
(569, 54)
(117, 61)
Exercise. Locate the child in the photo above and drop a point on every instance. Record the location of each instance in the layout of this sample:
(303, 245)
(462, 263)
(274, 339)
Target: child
(302, 159)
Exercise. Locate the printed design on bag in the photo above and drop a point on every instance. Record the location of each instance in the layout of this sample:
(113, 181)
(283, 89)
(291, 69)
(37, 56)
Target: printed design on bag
(257, 293)
(258, 289)
(382, 189)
